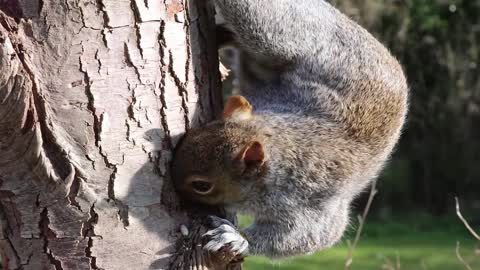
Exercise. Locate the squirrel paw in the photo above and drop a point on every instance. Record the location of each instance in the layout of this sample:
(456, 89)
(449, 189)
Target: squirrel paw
(225, 235)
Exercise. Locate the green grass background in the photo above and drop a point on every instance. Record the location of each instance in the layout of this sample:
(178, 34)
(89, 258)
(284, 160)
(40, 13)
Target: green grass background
(419, 242)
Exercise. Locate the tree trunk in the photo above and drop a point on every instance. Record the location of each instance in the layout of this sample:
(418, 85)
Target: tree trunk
(93, 97)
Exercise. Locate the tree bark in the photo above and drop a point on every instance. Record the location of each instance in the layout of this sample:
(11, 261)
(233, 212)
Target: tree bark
(94, 95)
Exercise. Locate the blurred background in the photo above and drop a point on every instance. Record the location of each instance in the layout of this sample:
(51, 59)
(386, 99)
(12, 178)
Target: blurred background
(412, 222)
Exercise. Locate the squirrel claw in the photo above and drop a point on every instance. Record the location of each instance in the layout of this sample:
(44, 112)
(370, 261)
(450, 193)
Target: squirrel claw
(225, 236)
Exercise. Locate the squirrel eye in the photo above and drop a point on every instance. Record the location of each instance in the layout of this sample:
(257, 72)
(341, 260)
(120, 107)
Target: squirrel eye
(202, 187)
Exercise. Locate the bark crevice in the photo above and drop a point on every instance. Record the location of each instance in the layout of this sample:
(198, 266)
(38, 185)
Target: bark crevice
(188, 61)
(182, 91)
(128, 59)
(122, 208)
(97, 128)
(88, 254)
(163, 73)
(46, 233)
(137, 20)
(106, 19)
(73, 192)
(89, 232)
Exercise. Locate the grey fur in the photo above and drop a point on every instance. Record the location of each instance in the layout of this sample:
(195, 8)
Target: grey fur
(329, 103)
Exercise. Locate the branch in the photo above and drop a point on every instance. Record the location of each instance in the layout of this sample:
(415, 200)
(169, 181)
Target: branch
(361, 221)
(460, 258)
(469, 228)
(465, 222)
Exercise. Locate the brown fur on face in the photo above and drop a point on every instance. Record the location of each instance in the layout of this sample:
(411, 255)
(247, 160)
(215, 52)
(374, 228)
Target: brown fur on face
(218, 160)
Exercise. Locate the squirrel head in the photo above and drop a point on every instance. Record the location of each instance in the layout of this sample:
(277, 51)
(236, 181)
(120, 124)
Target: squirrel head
(219, 163)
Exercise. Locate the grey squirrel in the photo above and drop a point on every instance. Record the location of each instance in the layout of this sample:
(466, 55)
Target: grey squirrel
(321, 109)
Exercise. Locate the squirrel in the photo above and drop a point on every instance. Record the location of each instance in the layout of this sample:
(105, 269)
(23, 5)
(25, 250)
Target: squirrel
(321, 109)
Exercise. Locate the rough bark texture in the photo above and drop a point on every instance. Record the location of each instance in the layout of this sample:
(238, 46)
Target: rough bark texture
(93, 97)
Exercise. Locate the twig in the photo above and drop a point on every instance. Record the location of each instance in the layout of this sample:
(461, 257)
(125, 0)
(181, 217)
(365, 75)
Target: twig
(398, 260)
(460, 258)
(465, 222)
(361, 221)
(424, 265)
(389, 265)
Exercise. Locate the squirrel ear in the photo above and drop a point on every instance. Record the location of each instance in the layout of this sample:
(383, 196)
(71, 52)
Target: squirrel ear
(253, 154)
(237, 108)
